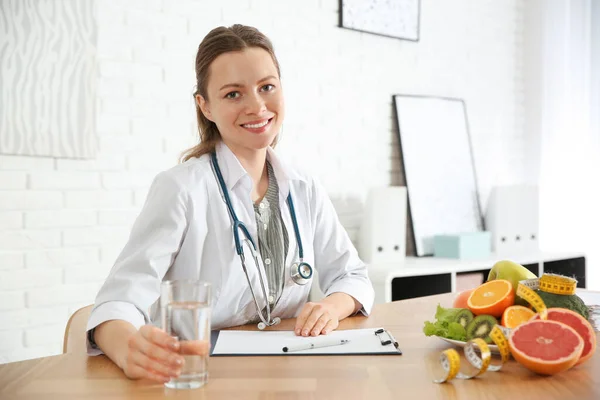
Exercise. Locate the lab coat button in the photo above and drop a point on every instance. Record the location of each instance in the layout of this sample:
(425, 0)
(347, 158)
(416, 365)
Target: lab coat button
(268, 261)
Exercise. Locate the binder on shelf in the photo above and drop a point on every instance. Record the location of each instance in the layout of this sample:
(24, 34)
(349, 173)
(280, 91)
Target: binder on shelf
(383, 227)
(367, 341)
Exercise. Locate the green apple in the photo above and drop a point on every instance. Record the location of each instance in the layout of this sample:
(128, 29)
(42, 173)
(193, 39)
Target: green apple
(512, 272)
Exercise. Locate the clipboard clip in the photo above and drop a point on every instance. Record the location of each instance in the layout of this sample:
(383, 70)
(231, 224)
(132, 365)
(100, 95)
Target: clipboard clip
(390, 340)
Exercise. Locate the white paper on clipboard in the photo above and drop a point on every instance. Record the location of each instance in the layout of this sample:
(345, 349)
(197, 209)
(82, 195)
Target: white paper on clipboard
(361, 341)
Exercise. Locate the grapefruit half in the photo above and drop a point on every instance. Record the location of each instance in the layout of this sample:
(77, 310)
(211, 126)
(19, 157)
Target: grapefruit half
(460, 301)
(545, 347)
(580, 324)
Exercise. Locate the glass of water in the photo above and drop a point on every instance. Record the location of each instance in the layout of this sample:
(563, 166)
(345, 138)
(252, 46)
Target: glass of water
(185, 315)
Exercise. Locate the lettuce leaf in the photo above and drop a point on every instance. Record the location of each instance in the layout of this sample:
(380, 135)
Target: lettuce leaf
(444, 325)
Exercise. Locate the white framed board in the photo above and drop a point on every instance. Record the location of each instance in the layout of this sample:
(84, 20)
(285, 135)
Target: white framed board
(392, 18)
(438, 168)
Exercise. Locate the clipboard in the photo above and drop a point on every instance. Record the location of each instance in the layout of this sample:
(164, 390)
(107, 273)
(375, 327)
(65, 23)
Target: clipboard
(368, 341)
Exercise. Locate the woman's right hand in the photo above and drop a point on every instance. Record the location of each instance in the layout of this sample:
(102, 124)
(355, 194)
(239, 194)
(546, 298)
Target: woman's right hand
(152, 354)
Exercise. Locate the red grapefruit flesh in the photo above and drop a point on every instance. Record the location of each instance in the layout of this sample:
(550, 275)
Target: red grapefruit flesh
(545, 347)
(581, 326)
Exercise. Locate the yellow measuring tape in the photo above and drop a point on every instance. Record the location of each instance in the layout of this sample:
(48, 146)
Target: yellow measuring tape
(482, 362)
(450, 359)
(558, 284)
(547, 283)
(525, 289)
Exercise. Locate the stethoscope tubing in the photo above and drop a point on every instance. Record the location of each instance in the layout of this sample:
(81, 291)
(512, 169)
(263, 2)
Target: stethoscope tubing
(295, 224)
(239, 225)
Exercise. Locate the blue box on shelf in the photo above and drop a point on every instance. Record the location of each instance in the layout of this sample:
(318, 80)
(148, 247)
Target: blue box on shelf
(468, 245)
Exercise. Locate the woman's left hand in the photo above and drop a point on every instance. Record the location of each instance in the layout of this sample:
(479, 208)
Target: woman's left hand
(316, 319)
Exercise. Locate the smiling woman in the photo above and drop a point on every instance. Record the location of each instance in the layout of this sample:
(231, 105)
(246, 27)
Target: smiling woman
(235, 215)
(234, 89)
(245, 104)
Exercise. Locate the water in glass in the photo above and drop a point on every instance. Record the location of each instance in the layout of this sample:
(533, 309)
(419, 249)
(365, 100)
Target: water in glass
(189, 321)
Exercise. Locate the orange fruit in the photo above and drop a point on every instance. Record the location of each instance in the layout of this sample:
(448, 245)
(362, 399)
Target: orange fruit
(514, 316)
(545, 347)
(460, 301)
(581, 326)
(491, 298)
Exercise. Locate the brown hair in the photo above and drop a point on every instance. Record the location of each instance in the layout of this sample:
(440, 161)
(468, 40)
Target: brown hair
(218, 41)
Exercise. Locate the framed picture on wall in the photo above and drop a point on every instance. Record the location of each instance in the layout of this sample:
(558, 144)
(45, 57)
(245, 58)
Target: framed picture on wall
(438, 168)
(48, 70)
(392, 18)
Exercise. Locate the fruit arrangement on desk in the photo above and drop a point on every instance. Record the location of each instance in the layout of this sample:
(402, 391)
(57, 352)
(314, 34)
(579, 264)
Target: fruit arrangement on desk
(553, 339)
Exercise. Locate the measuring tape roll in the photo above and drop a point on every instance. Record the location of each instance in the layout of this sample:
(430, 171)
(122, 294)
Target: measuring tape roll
(558, 284)
(525, 289)
(450, 359)
(547, 283)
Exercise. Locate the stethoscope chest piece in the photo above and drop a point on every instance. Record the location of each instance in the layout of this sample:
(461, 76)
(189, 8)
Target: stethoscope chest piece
(301, 272)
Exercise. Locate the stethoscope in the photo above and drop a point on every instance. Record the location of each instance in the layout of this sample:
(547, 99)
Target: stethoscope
(300, 271)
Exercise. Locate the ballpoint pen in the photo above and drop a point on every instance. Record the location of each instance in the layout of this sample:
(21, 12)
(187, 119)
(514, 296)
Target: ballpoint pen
(314, 345)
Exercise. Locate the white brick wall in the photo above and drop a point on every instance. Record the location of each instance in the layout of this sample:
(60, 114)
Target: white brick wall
(11, 260)
(63, 221)
(62, 257)
(11, 300)
(29, 239)
(30, 200)
(11, 219)
(56, 180)
(13, 180)
(63, 218)
(30, 278)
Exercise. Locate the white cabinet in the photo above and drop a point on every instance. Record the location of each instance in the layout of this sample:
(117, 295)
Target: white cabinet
(424, 276)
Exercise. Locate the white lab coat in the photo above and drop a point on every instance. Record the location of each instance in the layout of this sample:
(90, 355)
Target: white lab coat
(184, 231)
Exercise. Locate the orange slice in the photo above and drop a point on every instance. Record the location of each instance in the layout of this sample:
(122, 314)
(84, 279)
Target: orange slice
(514, 316)
(491, 298)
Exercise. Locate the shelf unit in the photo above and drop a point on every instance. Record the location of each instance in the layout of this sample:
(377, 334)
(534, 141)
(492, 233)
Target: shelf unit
(424, 276)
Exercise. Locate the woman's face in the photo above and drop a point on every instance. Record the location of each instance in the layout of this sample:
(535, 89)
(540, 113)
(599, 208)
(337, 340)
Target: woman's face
(245, 99)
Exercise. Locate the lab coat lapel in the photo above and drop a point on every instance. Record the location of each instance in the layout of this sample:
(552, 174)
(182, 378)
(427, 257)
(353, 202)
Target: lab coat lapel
(291, 256)
(288, 179)
(282, 174)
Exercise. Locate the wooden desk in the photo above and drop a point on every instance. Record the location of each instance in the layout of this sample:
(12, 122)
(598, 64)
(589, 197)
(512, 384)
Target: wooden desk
(76, 376)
